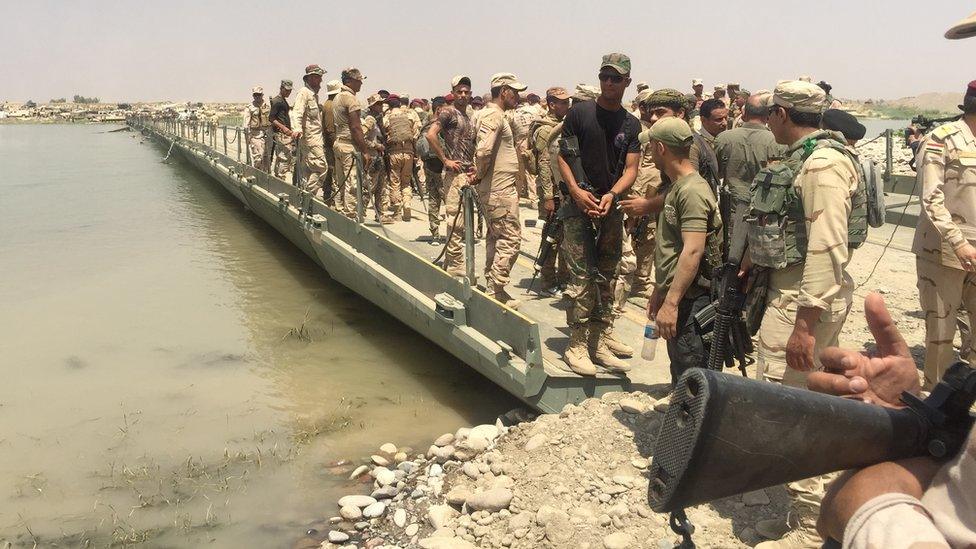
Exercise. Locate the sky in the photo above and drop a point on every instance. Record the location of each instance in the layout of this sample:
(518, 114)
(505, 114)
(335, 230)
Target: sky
(178, 50)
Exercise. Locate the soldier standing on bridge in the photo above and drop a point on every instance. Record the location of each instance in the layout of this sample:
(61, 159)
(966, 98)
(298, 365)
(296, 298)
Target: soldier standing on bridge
(306, 123)
(283, 163)
(401, 125)
(946, 232)
(257, 125)
(350, 138)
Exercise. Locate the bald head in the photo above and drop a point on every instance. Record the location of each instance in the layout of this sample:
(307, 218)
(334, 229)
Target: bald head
(754, 110)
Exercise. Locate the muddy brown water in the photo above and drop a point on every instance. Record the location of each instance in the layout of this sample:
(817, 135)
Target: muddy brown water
(154, 388)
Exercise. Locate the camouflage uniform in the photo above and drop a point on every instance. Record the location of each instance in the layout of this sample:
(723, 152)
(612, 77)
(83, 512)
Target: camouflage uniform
(544, 138)
(345, 105)
(375, 191)
(457, 132)
(741, 153)
(257, 124)
(306, 116)
(522, 119)
(329, 137)
(947, 172)
(634, 274)
(402, 127)
(283, 163)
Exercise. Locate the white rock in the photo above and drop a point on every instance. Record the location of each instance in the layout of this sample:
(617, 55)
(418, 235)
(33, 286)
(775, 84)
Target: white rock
(400, 457)
(440, 454)
(384, 476)
(440, 515)
(476, 443)
(444, 440)
(435, 471)
(640, 463)
(350, 512)
(389, 448)
(336, 536)
(375, 510)
(662, 405)
(462, 433)
(536, 442)
(458, 495)
(618, 540)
(632, 406)
(400, 518)
(379, 460)
(471, 470)
(411, 529)
(487, 431)
(358, 472)
(356, 501)
(493, 500)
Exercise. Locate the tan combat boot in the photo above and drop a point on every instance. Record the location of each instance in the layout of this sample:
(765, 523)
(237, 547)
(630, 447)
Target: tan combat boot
(600, 352)
(506, 299)
(617, 347)
(577, 356)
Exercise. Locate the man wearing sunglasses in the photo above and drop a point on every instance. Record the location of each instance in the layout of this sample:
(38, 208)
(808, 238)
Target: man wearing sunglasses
(600, 138)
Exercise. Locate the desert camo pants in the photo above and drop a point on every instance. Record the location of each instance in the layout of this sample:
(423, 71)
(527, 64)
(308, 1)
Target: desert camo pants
(313, 165)
(434, 200)
(582, 287)
(400, 192)
(347, 179)
(942, 290)
(634, 273)
(284, 157)
(454, 254)
(257, 143)
(504, 238)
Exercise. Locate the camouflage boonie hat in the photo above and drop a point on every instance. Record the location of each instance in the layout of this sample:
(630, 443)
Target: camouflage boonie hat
(287, 84)
(314, 70)
(333, 87)
(257, 90)
(585, 92)
(671, 131)
(665, 97)
(508, 80)
(616, 61)
(353, 73)
(800, 96)
(374, 99)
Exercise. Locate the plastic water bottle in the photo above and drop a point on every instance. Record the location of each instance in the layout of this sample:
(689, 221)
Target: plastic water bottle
(651, 336)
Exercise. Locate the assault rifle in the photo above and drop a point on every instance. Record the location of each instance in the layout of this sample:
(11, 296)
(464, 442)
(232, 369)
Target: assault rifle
(550, 232)
(925, 124)
(569, 150)
(731, 340)
(724, 435)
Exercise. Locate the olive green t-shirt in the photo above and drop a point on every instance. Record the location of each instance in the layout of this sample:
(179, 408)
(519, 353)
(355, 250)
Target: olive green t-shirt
(689, 206)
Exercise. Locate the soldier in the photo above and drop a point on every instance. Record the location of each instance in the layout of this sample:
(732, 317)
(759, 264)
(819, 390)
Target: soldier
(433, 168)
(608, 153)
(453, 125)
(946, 234)
(376, 191)
(329, 136)
(732, 91)
(714, 115)
(689, 245)
(284, 147)
(350, 139)
(735, 110)
(805, 239)
(718, 92)
(543, 139)
(496, 167)
(401, 127)
(698, 86)
(306, 124)
(741, 153)
(522, 118)
(257, 126)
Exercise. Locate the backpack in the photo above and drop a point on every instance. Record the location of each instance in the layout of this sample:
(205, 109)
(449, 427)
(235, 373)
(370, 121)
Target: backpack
(874, 188)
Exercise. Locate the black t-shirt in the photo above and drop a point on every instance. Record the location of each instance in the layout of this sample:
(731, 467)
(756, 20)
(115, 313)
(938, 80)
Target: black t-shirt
(279, 112)
(605, 138)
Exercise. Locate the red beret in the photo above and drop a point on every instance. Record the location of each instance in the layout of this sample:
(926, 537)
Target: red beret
(971, 89)
(449, 97)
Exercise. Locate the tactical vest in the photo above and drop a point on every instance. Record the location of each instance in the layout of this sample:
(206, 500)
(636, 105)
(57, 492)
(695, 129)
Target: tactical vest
(401, 127)
(777, 223)
(260, 116)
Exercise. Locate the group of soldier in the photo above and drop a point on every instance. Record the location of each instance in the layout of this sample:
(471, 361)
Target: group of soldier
(658, 187)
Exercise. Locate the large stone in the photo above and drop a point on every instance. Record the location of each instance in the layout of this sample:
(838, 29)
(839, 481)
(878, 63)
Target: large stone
(471, 470)
(546, 513)
(440, 454)
(384, 476)
(493, 500)
(389, 448)
(632, 406)
(386, 492)
(350, 512)
(458, 496)
(560, 530)
(440, 515)
(618, 540)
(411, 529)
(336, 536)
(758, 497)
(400, 518)
(356, 500)
(476, 443)
(444, 440)
(379, 460)
(536, 442)
(375, 510)
(489, 432)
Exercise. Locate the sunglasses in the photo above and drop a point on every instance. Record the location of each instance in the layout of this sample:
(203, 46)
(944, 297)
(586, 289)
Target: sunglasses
(615, 78)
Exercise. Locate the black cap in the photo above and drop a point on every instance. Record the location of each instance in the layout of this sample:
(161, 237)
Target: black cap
(439, 100)
(843, 122)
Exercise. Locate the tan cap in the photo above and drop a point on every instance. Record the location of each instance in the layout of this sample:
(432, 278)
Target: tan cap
(963, 29)
(314, 70)
(507, 79)
(732, 85)
(460, 79)
(374, 99)
(671, 131)
(800, 96)
(256, 90)
(765, 98)
(697, 82)
(719, 87)
(333, 87)
(353, 73)
(557, 93)
(642, 96)
(584, 92)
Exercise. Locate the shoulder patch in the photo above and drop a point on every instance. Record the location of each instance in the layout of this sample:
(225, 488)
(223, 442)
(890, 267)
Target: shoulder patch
(944, 131)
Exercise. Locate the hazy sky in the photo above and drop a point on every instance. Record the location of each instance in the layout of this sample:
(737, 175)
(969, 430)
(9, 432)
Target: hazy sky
(216, 50)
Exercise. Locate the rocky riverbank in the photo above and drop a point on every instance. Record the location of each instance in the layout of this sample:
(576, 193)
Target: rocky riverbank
(576, 479)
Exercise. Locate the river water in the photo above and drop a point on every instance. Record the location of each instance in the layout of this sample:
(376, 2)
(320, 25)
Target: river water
(154, 390)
